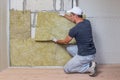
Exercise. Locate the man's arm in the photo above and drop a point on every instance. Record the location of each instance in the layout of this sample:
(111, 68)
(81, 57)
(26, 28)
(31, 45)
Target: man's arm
(65, 41)
(68, 17)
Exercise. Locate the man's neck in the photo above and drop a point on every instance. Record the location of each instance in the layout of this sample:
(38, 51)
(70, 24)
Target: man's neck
(79, 20)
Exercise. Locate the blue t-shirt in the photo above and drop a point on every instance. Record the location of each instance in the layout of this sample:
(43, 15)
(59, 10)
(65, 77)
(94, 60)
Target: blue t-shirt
(82, 33)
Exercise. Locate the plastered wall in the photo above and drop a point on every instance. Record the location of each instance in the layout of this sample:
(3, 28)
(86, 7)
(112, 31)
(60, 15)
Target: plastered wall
(3, 34)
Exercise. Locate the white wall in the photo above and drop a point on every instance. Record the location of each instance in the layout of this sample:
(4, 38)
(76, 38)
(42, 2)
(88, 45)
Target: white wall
(33, 5)
(3, 34)
(105, 18)
(38, 5)
(100, 7)
(16, 4)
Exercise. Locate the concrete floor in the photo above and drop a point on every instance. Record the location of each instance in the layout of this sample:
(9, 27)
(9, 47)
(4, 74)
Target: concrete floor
(105, 72)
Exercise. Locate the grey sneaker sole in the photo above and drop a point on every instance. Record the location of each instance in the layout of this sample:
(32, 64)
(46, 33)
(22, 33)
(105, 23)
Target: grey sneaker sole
(95, 71)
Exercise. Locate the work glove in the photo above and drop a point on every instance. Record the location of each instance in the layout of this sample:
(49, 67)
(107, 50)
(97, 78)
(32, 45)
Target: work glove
(61, 13)
(54, 40)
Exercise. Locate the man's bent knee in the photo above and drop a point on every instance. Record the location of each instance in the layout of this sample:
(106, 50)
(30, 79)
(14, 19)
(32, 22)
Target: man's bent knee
(66, 70)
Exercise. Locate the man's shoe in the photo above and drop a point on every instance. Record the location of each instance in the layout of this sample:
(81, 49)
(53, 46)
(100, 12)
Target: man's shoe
(93, 69)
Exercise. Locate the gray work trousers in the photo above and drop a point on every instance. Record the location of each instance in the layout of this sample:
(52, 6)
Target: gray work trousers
(78, 63)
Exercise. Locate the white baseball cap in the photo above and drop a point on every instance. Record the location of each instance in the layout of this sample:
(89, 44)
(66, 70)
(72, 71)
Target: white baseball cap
(75, 10)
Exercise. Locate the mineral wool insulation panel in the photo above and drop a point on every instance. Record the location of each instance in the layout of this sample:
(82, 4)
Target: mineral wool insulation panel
(50, 25)
(25, 51)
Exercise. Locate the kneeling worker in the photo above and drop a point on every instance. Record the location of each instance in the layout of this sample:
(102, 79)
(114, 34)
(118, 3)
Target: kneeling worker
(84, 51)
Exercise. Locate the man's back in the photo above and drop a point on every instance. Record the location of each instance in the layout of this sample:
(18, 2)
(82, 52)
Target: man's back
(82, 32)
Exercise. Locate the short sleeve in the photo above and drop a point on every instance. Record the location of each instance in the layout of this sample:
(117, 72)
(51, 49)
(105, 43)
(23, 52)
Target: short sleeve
(72, 32)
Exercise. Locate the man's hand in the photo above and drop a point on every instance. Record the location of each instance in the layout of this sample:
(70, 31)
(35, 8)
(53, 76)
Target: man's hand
(62, 13)
(54, 40)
